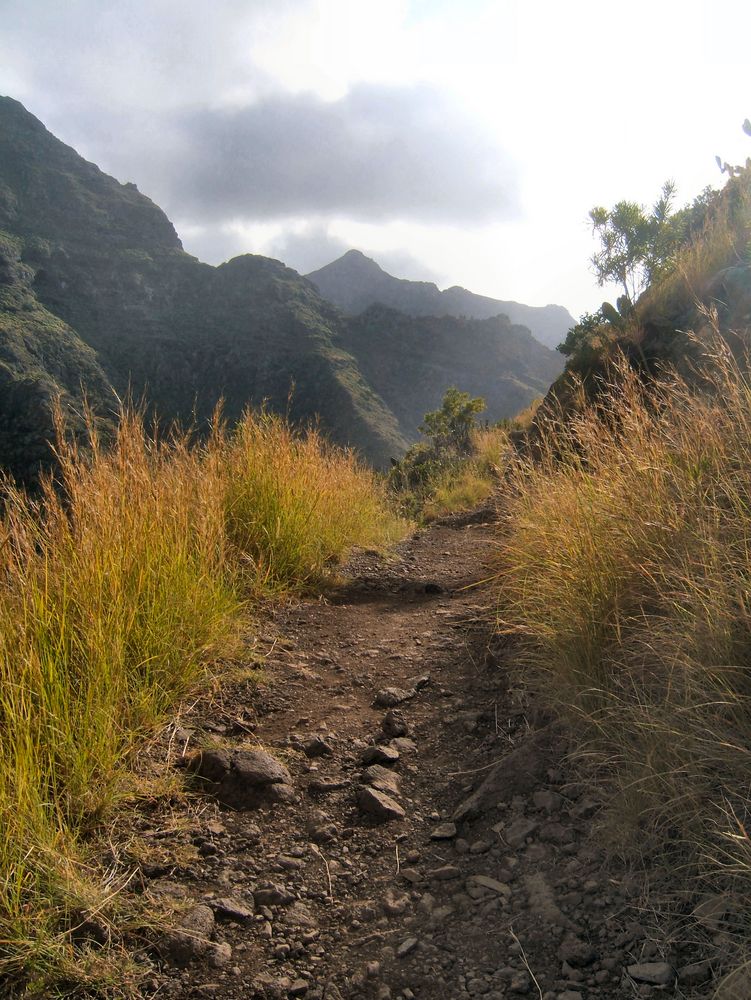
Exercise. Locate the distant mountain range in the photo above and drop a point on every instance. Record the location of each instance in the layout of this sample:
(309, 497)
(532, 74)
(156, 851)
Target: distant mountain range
(354, 282)
(98, 298)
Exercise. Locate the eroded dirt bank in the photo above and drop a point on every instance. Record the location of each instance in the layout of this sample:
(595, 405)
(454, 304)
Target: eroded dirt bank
(422, 838)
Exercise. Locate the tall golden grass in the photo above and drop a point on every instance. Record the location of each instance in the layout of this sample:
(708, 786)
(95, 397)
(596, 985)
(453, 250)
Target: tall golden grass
(120, 586)
(626, 570)
(469, 481)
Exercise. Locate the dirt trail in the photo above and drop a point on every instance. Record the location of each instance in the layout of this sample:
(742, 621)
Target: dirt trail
(314, 896)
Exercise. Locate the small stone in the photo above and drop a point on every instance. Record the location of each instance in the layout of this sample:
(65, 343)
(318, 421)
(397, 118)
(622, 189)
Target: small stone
(516, 833)
(394, 904)
(289, 864)
(324, 786)
(445, 873)
(570, 995)
(569, 972)
(243, 779)
(300, 916)
(408, 945)
(652, 973)
(379, 805)
(695, 974)
(315, 746)
(321, 829)
(218, 954)
(404, 744)
(386, 756)
(230, 908)
(394, 723)
(486, 882)
(189, 941)
(480, 847)
(411, 875)
(258, 769)
(270, 894)
(392, 696)
(298, 988)
(381, 779)
(446, 831)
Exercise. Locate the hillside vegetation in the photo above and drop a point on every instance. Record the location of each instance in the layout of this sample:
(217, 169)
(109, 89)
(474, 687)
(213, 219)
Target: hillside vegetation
(126, 584)
(624, 564)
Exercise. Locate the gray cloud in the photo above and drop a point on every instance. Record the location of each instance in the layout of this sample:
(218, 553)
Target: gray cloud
(169, 95)
(378, 154)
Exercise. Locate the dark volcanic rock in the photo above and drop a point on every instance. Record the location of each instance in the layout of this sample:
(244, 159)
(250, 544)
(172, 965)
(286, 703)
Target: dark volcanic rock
(516, 774)
(391, 696)
(242, 779)
(383, 755)
(379, 805)
(394, 724)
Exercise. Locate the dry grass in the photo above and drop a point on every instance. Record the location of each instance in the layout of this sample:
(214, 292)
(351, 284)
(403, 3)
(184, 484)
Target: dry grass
(119, 588)
(625, 569)
(472, 480)
(295, 504)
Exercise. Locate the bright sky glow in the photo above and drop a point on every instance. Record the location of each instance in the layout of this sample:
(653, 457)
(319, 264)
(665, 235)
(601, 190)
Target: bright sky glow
(567, 105)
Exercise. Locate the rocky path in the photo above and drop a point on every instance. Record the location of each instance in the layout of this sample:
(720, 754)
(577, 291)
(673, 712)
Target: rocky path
(383, 817)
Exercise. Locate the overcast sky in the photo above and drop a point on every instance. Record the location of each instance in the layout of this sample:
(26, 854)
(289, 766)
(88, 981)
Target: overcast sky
(463, 141)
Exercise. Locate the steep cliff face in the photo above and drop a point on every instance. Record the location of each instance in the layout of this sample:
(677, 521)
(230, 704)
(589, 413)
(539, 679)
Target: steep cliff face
(43, 364)
(354, 282)
(127, 307)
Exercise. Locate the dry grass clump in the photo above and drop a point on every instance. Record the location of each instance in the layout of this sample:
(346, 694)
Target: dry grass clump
(471, 480)
(119, 588)
(626, 560)
(295, 504)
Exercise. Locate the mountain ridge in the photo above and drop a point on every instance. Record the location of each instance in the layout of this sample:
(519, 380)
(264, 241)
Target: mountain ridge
(354, 281)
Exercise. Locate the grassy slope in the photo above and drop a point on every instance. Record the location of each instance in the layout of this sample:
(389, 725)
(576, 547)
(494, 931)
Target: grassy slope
(42, 362)
(624, 564)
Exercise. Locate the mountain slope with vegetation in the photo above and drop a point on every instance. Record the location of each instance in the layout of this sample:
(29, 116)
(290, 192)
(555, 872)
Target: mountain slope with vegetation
(107, 263)
(138, 317)
(413, 360)
(354, 282)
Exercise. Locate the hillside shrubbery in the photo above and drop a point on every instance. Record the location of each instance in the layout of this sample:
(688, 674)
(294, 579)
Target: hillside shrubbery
(119, 589)
(456, 467)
